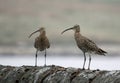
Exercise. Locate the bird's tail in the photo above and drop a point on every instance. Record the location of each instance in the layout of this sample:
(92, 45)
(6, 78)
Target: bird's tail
(101, 52)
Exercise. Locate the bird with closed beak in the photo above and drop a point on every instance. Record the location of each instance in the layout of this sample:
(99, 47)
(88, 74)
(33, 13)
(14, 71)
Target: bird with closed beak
(85, 44)
(41, 43)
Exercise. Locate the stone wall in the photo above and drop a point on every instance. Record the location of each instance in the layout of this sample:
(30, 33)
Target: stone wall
(56, 74)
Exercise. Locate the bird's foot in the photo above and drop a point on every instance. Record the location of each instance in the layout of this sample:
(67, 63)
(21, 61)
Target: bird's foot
(83, 68)
(53, 65)
(44, 65)
(97, 69)
(88, 68)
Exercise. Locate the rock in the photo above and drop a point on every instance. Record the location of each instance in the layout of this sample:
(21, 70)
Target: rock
(55, 74)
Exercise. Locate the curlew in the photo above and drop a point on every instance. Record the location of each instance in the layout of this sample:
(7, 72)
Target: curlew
(85, 44)
(41, 43)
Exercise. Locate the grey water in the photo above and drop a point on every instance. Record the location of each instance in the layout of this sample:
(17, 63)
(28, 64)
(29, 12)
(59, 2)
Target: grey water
(67, 57)
(98, 62)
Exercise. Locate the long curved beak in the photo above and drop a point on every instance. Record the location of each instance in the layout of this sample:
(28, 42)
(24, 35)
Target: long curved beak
(33, 33)
(67, 30)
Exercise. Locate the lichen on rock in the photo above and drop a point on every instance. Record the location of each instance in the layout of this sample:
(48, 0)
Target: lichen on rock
(56, 74)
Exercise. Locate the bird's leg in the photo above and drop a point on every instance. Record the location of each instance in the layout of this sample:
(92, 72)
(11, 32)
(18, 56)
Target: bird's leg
(84, 61)
(36, 58)
(45, 58)
(89, 62)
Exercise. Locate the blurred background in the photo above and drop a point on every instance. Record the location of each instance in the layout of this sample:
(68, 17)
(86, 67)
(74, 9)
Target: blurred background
(99, 21)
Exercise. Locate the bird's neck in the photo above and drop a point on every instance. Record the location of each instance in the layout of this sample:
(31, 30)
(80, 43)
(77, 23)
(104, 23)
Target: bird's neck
(43, 33)
(77, 34)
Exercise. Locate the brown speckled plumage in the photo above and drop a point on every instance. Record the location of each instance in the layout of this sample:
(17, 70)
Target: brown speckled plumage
(41, 42)
(85, 44)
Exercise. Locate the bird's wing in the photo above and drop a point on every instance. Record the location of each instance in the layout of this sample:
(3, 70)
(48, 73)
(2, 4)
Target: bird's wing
(47, 42)
(90, 44)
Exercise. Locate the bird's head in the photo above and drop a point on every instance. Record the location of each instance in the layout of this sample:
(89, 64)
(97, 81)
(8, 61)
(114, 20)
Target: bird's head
(76, 28)
(41, 30)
